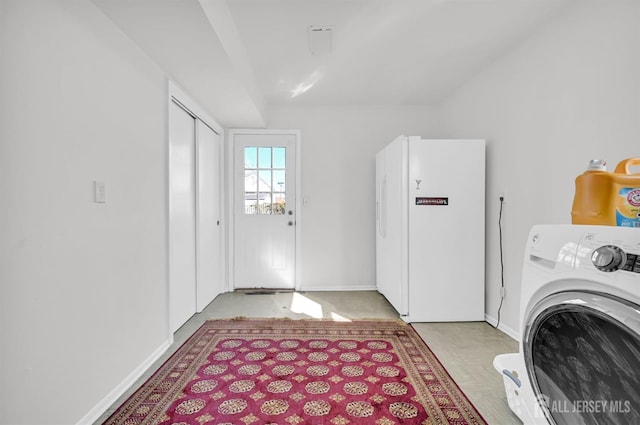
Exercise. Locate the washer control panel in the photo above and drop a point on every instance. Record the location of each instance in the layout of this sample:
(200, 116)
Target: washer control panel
(609, 258)
(632, 264)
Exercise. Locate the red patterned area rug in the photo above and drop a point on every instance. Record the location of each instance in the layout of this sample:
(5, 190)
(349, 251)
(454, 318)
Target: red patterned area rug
(289, 372)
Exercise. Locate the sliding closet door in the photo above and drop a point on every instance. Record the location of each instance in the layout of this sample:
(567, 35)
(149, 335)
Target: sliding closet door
(182, 217)
(209, 281)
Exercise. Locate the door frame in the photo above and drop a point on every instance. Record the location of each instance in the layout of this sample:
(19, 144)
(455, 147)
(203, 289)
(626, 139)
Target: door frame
(231, 199)
(177, 95)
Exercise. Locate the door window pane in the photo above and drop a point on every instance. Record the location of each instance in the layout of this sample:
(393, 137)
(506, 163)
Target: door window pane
(251, 203)
(250, 157)
(279, 203)
(264, 159)
(265, 203)
(250, 181)
(279, 157)
(265, 180)
(278, 181)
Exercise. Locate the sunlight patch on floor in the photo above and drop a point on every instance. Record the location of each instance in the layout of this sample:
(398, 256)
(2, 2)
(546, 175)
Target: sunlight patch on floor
(337, 318)
(303, 305)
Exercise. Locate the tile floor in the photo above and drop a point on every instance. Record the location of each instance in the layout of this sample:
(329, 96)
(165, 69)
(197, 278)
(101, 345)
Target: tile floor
(465, 349)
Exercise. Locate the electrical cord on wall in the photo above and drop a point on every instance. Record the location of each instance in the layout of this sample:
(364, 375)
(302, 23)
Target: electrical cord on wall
(501, 262)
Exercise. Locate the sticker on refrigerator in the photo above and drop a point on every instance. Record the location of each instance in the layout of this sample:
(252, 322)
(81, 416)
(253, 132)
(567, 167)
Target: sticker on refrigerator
(432, 201)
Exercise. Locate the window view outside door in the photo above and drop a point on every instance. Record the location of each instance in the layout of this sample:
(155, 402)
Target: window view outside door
(265, 180)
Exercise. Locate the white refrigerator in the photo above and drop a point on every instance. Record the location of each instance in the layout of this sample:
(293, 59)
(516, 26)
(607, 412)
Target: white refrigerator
(430, 228)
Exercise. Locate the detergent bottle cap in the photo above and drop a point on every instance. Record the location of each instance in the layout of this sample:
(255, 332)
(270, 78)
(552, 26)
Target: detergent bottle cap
(597, 165)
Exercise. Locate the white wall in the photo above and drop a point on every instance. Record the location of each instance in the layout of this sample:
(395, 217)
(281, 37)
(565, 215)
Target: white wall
(338, 175)
(83, 286)
(569, 93)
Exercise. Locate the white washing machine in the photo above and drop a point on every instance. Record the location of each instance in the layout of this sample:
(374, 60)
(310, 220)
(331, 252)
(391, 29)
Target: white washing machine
(579, 359)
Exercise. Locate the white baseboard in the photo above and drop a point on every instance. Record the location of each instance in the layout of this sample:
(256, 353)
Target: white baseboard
(311, 288)
(502, 327)
(120, 389)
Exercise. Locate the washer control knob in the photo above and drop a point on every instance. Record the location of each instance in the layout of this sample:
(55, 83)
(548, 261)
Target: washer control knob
(608, 258)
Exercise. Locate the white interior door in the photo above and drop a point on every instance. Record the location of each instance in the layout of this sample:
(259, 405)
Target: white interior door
(182, 233)
(208, 270)
(264, 210)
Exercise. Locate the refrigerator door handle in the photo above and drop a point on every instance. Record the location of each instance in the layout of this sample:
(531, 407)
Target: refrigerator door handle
(382, 218)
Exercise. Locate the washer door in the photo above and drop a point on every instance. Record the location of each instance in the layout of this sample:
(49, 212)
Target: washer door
(582, 352)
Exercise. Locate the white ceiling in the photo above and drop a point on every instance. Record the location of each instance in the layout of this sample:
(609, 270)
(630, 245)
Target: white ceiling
(238, 57)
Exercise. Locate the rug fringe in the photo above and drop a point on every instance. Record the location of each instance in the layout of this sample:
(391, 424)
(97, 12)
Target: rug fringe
(253, 318)
(323, 319)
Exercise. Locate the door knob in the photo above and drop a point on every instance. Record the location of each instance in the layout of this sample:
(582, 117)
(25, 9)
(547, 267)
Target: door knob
(290, 212)
(290, 223)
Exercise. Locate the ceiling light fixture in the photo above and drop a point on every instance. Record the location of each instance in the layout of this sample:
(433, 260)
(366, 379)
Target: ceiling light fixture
(320, 39)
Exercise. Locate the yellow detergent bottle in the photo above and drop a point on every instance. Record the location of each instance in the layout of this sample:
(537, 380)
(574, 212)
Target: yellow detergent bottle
(605, 198)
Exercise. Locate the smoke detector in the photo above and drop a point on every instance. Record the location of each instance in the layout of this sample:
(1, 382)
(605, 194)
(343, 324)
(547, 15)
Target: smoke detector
(320, 39)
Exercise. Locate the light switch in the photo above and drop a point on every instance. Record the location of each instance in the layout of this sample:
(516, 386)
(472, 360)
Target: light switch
(99, 192)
